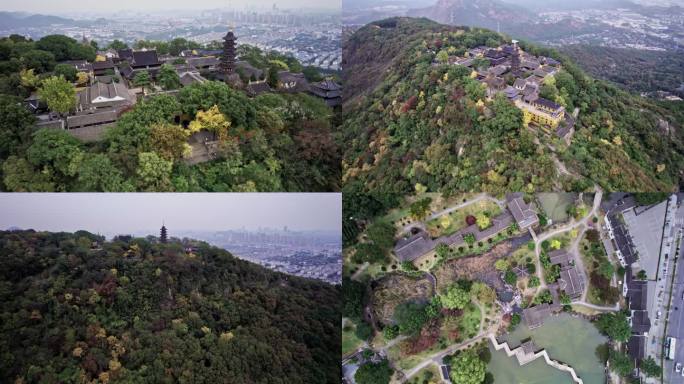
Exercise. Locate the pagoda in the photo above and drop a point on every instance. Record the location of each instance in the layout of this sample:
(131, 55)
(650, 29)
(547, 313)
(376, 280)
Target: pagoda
(515, 58)
(227, 65)
(162, 234)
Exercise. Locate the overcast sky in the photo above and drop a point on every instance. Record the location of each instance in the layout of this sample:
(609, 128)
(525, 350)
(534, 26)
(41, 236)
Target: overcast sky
(113, 213)
(62, 6)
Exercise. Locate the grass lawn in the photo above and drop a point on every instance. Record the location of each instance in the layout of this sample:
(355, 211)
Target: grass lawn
(429, 374)
(521, 255)
(555, 205)
(350, 342)
(457, 219)
(470, 321)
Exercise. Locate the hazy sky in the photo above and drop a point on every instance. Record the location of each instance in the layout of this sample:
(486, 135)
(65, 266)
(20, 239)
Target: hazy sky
(61, 6)
(113, 213)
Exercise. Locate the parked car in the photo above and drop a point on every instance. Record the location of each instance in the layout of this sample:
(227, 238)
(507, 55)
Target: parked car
(678, 367)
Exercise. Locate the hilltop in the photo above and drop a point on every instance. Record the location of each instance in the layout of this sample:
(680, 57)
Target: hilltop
(77, 308)
(423, 110)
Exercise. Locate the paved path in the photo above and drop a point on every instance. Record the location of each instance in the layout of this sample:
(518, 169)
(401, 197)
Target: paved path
(572, 224)
(583, 303)
(477, 198)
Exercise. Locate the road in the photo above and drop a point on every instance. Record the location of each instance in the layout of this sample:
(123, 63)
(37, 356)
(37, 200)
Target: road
(675, 326)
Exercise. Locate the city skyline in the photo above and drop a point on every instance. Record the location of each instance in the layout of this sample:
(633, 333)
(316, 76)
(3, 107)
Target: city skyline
(132, 212)
(62, 7)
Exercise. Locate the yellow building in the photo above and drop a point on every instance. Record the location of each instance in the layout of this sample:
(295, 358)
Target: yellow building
(543, 112)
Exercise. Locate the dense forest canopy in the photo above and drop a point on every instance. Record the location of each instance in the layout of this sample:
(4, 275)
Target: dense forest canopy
(273, 142)
(79, 309)
(412, 122)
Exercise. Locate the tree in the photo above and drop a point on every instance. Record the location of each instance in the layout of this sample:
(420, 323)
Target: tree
(467, 368)
(57, 153)
(97, 173)
(272, 78)
(410, 317)
(502, 264)
(483, 292)
(29, 79)
(65, 48)
(142, 79)
(556, 244)
(211, 120)
(41, 61)
(16, 126)
(118, 45)
(374, 373)
(442, 57)
(420, 208)
(352, 298)
(381, 233)
(620, 363)
(650, 368)
(390, 332)
(169, 140)
(442, 250)
(534, 282)
(510, 277)
(483, 220)
(154, 173)
(67, 71)
(455, 298)
(59, 94)
(168, 78)
(615, 326)
(20, 176)
(363, 330)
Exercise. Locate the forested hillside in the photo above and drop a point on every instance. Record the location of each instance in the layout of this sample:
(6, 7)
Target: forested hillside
(633, 69)
(412, 123)
(272, 142)
(77, 309)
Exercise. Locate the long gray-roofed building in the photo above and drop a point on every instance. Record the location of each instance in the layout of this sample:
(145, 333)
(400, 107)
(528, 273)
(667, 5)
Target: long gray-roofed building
(570, 282)
(534, 316)
(523, 213)
(414, 246)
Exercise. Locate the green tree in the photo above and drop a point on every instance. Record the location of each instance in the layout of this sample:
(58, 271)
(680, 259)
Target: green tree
(534, 282)
(442, 57)
(67, 71)
(502, 264)
(272, 78)
(16, 126)
(390, 332)
(455, 298)
(142, 79)
(410, 317)
(483, 220)
(374, 373)
(381, 233)
(442, 250)
(169, 140)
(420, 208)
(97, 173)
(620, 363)
(168, 78)
(40, 61)
(614, 325)
(56, 153)
(363, 330)
(352, 298)
(118, 45)
(20, 176)
(467, 368)
(58, 94)
(154, 173)
(650, 368)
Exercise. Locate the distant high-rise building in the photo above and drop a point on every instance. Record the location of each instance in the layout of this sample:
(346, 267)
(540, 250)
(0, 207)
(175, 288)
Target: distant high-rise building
(163, 237)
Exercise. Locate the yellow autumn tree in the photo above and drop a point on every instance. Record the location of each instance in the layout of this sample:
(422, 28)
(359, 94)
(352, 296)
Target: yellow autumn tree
(211, 120)
(81, 78)
(28, 78)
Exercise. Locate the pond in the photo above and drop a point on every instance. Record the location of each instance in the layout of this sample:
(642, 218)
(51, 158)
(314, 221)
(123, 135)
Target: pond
(569, 339)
